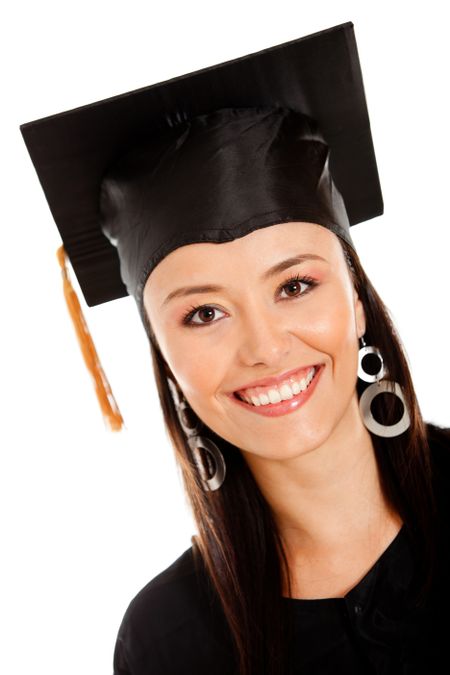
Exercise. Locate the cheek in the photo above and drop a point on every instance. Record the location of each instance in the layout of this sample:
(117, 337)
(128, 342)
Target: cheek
(342, 344)
(197, 370)
(328, 324)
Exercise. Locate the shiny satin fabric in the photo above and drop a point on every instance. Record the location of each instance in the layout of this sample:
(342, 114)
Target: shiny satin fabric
(194, 149)
(214, 178)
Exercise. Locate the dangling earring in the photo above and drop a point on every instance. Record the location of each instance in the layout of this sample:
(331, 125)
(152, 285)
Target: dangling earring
(377, 388)
(212, 478)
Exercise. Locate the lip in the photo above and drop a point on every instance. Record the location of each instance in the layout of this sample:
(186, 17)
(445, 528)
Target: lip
(283, 407)
(276, 380)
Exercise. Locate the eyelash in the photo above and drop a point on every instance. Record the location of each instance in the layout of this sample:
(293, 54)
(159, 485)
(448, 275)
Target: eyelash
(188, 316)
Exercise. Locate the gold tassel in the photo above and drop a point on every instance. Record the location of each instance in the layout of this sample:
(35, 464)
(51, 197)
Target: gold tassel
(105, 396)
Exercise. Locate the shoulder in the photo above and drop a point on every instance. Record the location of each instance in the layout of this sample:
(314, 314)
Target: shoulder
(174, 621)
(438, 435)
(439, 442)
(168, 599)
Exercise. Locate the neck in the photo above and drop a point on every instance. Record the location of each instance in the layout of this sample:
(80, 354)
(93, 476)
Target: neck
(329, 496)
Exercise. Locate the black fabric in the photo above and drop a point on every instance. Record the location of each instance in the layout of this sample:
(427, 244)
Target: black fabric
(318, 75)
(215, 178)
(174, 625)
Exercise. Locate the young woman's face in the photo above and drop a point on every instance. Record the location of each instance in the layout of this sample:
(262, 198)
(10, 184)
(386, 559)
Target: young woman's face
(258, 325)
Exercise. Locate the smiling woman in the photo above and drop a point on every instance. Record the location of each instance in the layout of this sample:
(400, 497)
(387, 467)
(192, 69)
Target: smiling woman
(321, 510)
(258, 330)
(318, 490)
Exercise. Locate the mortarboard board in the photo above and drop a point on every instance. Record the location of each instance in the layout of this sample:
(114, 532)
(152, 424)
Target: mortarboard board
(281, 134)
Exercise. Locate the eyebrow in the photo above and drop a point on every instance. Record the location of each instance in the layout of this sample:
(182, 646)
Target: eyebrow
(271, 272)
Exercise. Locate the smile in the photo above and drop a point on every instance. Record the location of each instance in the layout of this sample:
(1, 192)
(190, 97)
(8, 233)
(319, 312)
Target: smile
(285, 406)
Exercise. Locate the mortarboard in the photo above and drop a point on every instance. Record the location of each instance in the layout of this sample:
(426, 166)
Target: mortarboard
(279, 135)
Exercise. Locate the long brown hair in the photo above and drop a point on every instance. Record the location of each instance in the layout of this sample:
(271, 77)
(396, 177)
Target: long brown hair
(238, 544)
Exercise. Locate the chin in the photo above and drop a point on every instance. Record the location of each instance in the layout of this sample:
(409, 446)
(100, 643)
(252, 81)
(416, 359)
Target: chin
(285, 446)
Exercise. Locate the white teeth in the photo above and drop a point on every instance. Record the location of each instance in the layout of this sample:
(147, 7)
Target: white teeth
(274, 395)
(296, 388)
(286, 391)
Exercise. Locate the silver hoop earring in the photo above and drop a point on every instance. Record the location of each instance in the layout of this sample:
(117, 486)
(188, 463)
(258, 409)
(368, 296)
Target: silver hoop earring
(378, 387)
(214, 474)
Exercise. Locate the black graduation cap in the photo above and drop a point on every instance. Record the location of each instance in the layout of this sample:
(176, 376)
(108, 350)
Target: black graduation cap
(206, 156)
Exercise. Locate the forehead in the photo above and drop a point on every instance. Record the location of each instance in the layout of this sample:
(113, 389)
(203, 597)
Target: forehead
(193, 262)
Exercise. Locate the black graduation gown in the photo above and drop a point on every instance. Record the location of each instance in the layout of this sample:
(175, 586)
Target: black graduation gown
(175, 626)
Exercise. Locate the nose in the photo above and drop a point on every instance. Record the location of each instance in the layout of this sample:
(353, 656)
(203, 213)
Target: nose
(263, 339)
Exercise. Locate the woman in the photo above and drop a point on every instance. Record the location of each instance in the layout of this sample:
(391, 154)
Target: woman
(318, 523)
(306, 475)
(321, 506)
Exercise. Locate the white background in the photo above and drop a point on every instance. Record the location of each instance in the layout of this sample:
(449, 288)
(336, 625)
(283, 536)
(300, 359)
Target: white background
(88, 516)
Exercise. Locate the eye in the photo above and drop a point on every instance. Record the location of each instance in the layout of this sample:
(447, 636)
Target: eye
(295, 281)
(292, 282)
(187, 318)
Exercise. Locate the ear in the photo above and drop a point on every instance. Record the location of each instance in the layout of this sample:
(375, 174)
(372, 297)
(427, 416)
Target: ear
(360, 315)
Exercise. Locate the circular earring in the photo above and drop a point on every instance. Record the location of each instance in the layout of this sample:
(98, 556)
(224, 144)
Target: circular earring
(378, 387)
(204, 450)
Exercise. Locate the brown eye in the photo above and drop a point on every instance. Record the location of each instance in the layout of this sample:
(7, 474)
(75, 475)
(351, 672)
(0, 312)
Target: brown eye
(206, 313)
(202, 312)
(293, 286)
